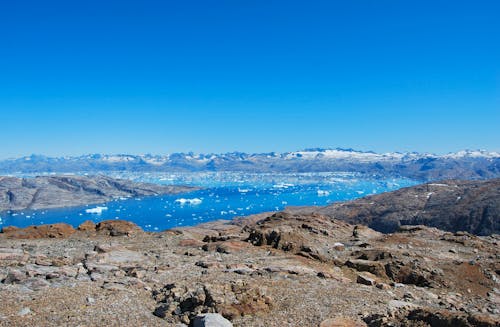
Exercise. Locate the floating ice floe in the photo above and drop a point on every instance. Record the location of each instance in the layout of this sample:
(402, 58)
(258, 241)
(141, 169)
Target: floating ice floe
(195, 201)
(283, 185)
(97, 210)
(323, 193)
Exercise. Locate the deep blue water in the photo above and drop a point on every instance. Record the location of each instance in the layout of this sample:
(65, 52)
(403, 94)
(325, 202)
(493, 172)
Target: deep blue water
(225, 196)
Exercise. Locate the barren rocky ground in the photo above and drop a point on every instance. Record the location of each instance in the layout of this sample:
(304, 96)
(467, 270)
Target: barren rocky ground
(277, 269)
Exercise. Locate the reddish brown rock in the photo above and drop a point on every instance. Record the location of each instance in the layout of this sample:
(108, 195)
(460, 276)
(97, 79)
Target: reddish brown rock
(118, 228)
(59, 230)
(9, 229)
(373, 267)
(233, 246)
(190, 242)
(12, 255)
(87, 226)
(342, 322)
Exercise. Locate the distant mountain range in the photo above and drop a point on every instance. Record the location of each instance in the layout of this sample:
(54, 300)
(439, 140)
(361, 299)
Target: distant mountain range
(466, 164)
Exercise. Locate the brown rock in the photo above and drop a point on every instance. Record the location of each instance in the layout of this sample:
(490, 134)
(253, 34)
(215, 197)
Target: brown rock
(9, 229)
(118, 228)
(342, 322)
(9, 254)
(233, 246)
(59, 230)
(231, 300)
(15, 276)
(42, 260)
(191, 243)
(339, 246)
(87, 226)
(383, 286)
(366, 279)
(373, 267)
(409, 316)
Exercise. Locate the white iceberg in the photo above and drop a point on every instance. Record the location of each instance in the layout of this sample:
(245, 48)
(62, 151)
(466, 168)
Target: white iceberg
(283, 185)
(97, 210)
(195, 201)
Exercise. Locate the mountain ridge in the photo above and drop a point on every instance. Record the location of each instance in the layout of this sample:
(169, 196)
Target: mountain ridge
(466, 164)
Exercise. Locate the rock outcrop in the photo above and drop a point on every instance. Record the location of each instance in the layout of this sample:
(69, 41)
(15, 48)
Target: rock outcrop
(64, 191)
(59, 230)
(471, 206)
(277, 270)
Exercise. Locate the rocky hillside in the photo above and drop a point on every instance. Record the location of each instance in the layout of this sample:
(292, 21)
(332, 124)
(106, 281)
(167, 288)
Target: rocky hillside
(270, 270)
(64, 191)
(472, 206)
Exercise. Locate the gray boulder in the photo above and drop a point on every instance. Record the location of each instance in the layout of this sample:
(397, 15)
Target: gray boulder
(211, 320)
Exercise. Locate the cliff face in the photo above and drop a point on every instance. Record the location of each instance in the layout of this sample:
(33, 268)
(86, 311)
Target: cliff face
(64, 191)
(472, 206)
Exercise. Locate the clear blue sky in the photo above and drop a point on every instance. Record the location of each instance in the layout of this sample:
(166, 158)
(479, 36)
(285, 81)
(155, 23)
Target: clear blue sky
(214, 76)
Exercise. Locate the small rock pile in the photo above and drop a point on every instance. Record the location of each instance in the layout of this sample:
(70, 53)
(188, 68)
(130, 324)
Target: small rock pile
(183, 303)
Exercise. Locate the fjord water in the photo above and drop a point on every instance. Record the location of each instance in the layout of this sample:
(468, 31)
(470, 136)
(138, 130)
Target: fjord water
(224, 196)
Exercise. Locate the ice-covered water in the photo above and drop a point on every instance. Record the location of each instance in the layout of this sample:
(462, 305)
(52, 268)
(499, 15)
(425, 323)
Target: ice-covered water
(224, 196)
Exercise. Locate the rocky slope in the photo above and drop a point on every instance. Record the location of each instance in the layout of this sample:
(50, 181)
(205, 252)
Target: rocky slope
(472, 206)
(64, 191)
(419, 166)
(269, 270)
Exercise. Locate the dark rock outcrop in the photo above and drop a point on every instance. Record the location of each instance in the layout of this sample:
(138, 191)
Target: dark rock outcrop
(186, 303)
(310, 236)
(429, 317)
(472, 206)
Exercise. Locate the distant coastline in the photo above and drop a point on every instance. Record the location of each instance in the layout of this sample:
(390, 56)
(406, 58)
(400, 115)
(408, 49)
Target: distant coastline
(50, 192)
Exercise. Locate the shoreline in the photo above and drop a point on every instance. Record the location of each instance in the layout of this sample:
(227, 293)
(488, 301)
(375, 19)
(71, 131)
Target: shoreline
(69, 191)
(442, 205)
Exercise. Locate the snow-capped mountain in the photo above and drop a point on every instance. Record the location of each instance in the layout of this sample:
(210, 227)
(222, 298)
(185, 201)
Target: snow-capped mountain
(475, 164)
